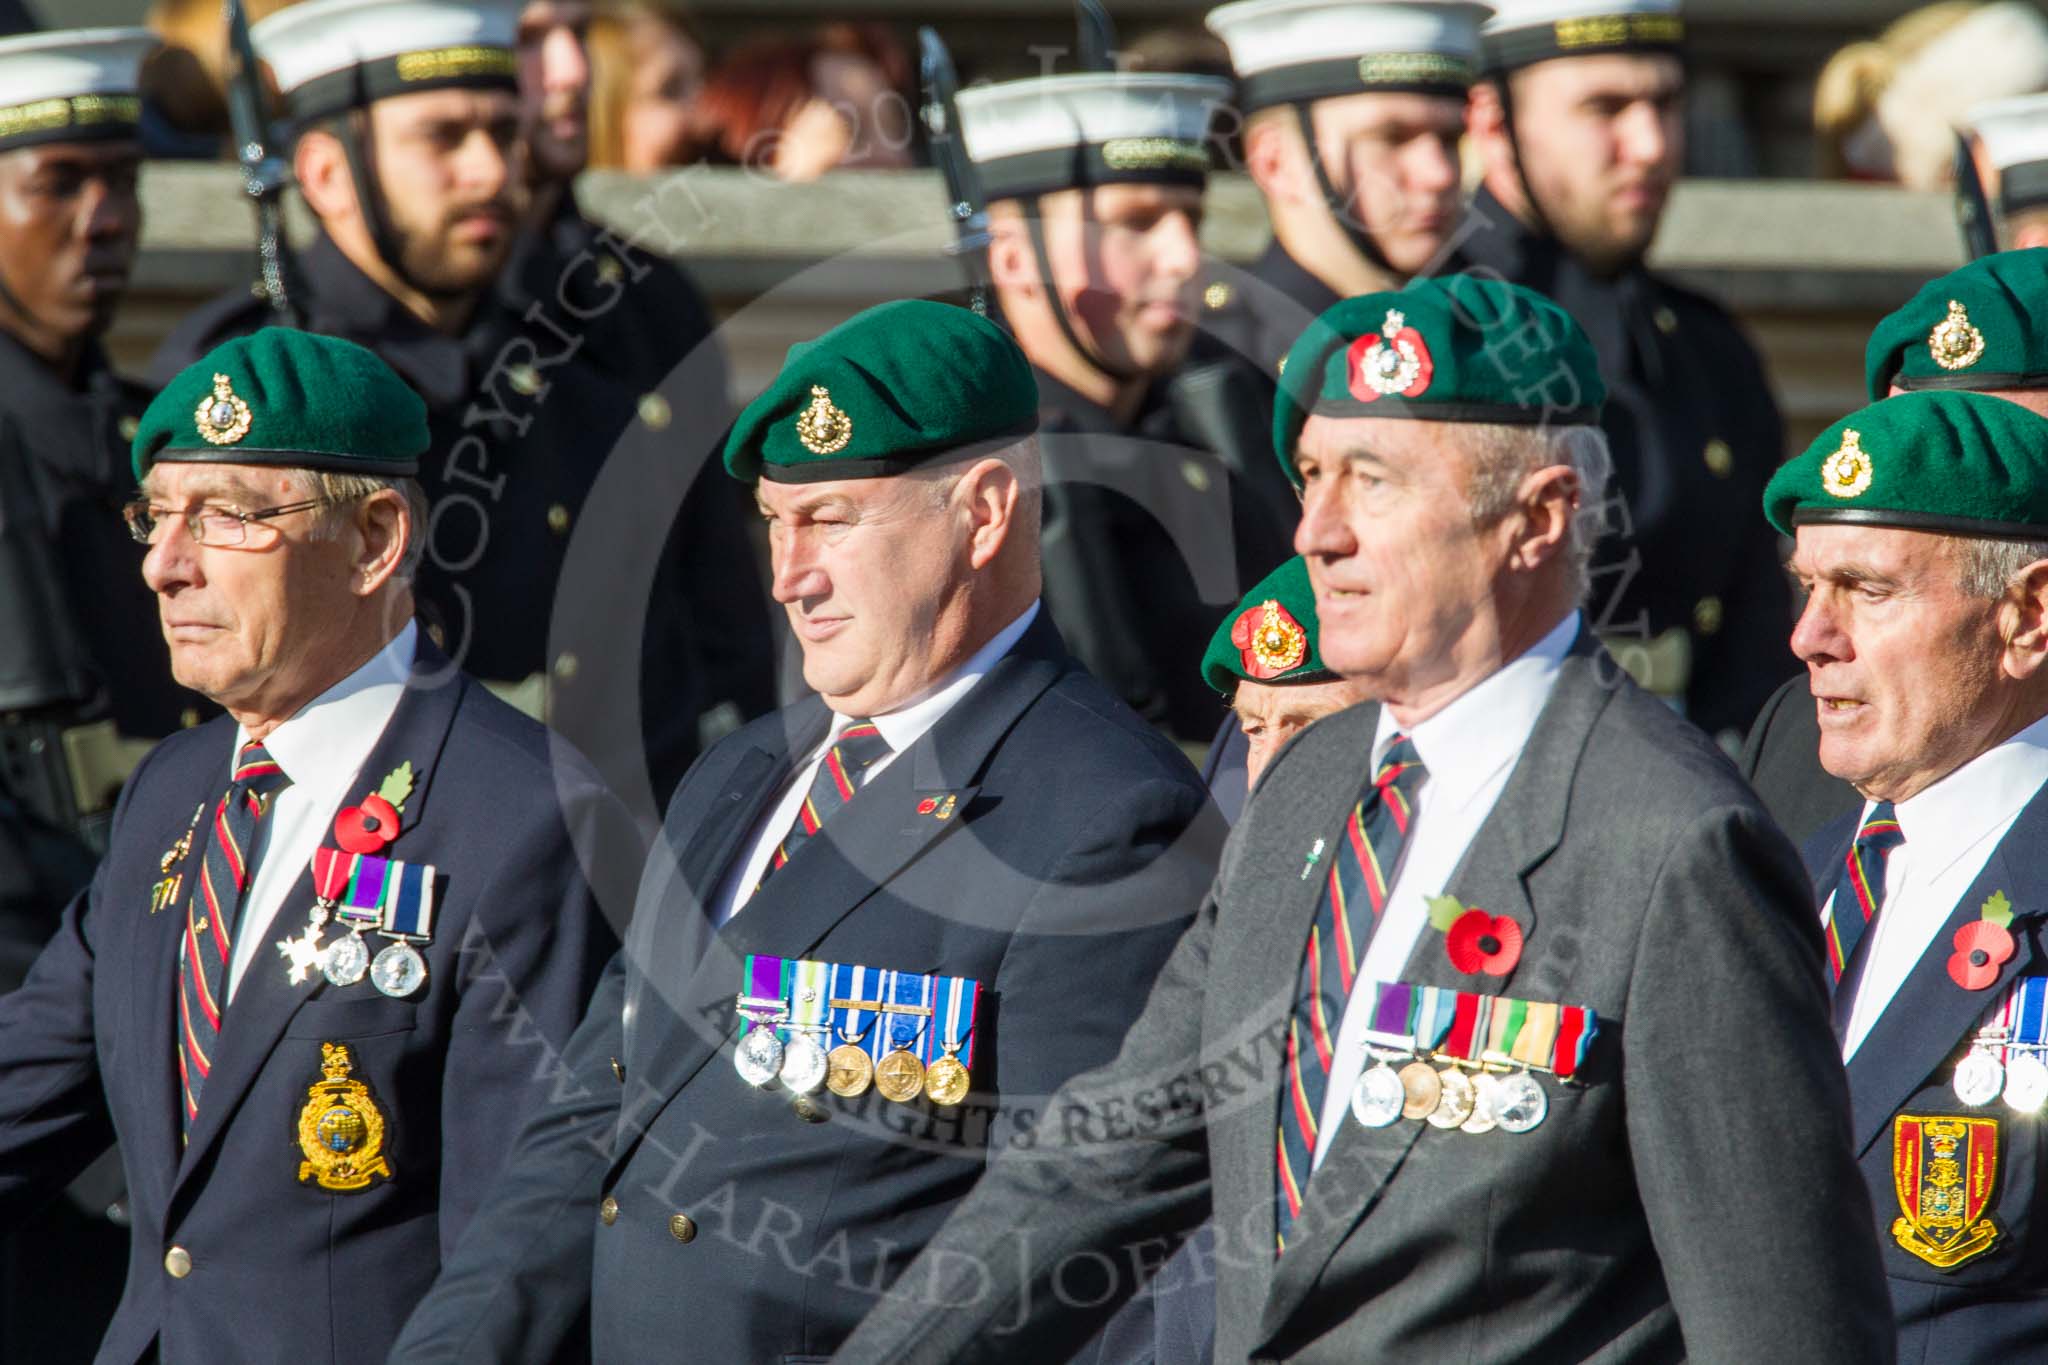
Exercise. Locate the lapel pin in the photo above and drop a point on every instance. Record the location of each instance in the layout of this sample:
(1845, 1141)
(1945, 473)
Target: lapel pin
(1309, 865)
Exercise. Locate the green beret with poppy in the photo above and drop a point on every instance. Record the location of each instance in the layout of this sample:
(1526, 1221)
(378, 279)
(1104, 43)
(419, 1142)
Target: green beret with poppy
(1452, 349)
(901, 385)
(1271, 637)
(285, 397)
(1982, 327)
(1958, 463)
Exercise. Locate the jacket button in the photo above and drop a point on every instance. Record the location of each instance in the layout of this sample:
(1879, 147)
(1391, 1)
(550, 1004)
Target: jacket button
(618, 1070)
(655, 412)
(682, 1227)
(1707, 615)
(1720, 458)
(177, 1263)
(608, 1210)
(558, 519)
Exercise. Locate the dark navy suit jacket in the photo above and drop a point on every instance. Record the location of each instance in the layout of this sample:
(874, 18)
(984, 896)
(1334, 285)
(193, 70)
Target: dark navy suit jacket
(283, 1270)
(1078, 847)
(1993, 1307)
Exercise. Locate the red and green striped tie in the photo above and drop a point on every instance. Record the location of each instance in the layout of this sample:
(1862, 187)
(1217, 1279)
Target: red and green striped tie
(1860, 892)
(859, 746)
(1354, 894)
(211, 916)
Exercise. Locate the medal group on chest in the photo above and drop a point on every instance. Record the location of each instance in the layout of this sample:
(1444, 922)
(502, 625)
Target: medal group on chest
(361, 890)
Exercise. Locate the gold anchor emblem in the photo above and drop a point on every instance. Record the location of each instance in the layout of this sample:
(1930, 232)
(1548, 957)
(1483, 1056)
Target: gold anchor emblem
(1279, 642)
(822, 427)
(222, 417)
(341, 1131)
(1846, 473)
(1954, 343)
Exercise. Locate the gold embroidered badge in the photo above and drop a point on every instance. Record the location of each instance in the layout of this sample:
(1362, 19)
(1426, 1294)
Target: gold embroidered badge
(1944, 1168)
(222, 417)
(341, 1130)
(823, 427)
(1846, 473)
(1954, 343)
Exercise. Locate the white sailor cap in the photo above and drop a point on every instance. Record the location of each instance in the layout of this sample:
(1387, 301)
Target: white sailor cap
(1524, 32)
(72, 85)
(332, 55)
(1295, 51)
(1062, 132)
(2015, 137)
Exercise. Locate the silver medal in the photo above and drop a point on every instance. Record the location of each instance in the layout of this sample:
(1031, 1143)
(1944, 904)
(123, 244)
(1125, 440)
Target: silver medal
(1454, 1105)
(758, 1058)
(1377, 1098)
(803, 1066)
(2026, 1083)
(1979, 1077)
(1485, 1090)
(398, 971)
(345, 960)
(1519, 1103)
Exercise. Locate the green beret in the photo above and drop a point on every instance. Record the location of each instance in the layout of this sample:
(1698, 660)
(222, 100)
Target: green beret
(903, 384)
(1271, 637)
(1452, 349)
(283, 397)
(1982, 327)
(1959, 463)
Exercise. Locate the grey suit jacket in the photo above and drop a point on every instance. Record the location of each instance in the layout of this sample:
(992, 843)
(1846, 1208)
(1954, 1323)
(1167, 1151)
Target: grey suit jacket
(1694, 1198)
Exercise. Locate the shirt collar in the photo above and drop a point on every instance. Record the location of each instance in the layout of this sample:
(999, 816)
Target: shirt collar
(1467, 744)
(907, 724)
(327, 741)
(1956, 813)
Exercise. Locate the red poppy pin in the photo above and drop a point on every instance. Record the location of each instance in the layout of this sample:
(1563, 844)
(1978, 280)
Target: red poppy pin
(1270, 640)
(1394, 362)
(1983, 945)
(368, 827)
(1474, 940)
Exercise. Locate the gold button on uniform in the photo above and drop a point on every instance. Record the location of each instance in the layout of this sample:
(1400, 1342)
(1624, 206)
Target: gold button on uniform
(655, 411)
(558, 519)
(608, 1210)
(682, 1227)
(177, 1263)
(619, 1071)
(129, 426)
(525, 379)
(565, 666)
(1706, 615)
(609, 270)
(1217, 296)
(1196, 475)
(1666, 320)
(188, 717)
(1720, 459)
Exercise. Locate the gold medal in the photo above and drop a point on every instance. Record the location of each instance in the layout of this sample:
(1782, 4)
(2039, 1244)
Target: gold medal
(899, 1076)
(1454, 1104)
(849, 1070)
(1423, 1088)
(946, 1081)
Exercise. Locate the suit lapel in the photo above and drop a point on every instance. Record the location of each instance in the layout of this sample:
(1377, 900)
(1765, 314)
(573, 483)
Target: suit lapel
(265, 1000)
(1931, 1014)
(1524, 827)
(871, 839)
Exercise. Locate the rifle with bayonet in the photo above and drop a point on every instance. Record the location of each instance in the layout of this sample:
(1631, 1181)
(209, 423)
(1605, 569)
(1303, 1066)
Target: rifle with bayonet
(949, 153)
(265, 173)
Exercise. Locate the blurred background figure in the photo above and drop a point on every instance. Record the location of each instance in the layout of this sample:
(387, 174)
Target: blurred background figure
(799, 107)
(2009, 139)
(1888, 109)
(647, 67)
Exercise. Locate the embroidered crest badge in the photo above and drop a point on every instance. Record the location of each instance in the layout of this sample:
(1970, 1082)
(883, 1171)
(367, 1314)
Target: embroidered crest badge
(1847, 472)
(823, 427)
(341, 1130)
(222, 417)
(1394, 363)
(1955, 343)
(1944, 1167)
(1271, 641)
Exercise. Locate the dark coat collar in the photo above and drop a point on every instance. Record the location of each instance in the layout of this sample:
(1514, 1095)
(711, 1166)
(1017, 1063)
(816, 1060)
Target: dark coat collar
(347, 303)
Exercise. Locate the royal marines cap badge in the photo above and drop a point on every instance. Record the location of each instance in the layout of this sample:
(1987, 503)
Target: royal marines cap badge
(1846, 473)
(1944, 1167)
(823, 427)
(1272, 641)
(1954, 343)
(1394, 363)
(222, 417)
(341, 1130)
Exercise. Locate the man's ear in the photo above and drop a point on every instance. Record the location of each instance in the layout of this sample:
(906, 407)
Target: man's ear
(2023, 621)
(1545, 503)
(1271, 158)
(992, 493)
(320, 167)
(1012, 264)
(383, 524)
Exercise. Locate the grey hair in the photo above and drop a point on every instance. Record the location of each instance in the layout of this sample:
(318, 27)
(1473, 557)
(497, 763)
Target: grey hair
(1989, 567)
(342, 491)
(1024, 463)
(1502, 456)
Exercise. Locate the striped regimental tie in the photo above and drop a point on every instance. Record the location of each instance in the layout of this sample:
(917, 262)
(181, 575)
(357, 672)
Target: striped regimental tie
(1859, 893)
(1354, 894)
(212, 914)
(859, 747)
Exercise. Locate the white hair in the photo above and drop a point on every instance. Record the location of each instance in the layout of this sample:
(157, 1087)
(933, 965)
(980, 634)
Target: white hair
(1025, 465)
(1502, 456)
(341, 491)
(1990, 567)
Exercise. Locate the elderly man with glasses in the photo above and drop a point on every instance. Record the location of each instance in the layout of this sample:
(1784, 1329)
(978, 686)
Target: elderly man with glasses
(316, 981)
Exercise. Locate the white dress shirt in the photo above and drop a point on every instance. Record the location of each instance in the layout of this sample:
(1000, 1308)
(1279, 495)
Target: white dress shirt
(901, 728)
(1467, 751)
(1951, 830)
(322, 749)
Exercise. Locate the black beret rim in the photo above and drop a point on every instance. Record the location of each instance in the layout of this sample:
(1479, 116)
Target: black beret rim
(1962, 383)
(2023, 185)
(1918, 521)
(1314, 675)
(1499, 414)
(323, 460)
(886, 466)
(1072, 168)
